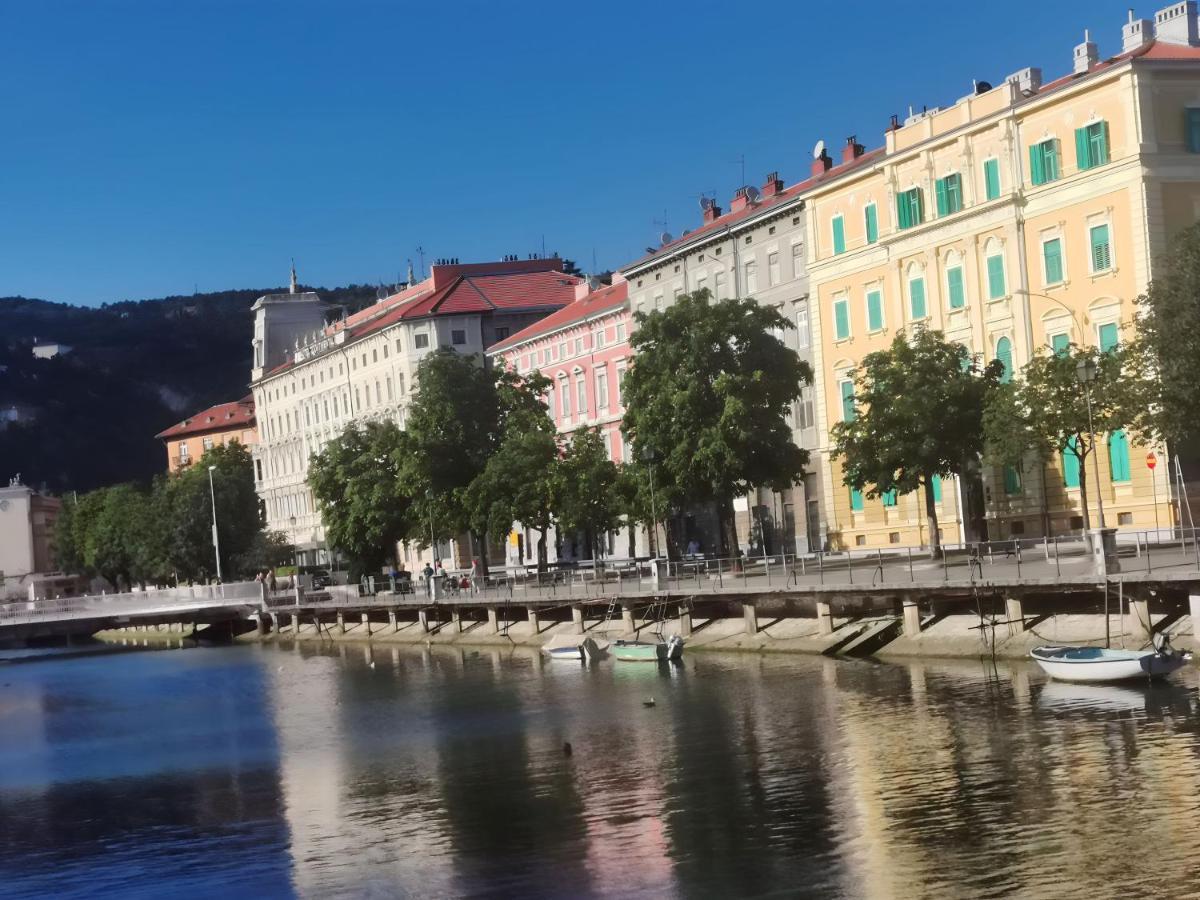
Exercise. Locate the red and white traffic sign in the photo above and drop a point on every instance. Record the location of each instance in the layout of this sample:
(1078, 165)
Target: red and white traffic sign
(1151, 461)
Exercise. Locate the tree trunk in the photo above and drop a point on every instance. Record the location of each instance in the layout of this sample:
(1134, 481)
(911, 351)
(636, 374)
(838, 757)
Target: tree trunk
(1046, 525)
(935, 540)
(632, 537)
(482, 551)
(1083, 486)
(729, 536)
(541, 550)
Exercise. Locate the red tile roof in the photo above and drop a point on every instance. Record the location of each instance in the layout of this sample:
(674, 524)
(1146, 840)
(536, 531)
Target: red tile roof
(605, 299)
(222, 417)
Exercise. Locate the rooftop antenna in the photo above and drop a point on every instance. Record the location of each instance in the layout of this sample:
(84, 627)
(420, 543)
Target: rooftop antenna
(543, 246)
(411, 277)
(741, 161)
(293, 288)
(421, 256)
(594, 270)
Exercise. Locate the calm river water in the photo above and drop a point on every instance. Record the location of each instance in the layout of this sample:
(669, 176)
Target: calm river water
(301, 771)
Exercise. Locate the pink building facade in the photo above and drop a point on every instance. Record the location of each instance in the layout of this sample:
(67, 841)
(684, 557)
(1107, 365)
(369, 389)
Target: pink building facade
(583, 349)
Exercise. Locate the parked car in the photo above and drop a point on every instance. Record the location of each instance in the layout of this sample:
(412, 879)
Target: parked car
(321, 578)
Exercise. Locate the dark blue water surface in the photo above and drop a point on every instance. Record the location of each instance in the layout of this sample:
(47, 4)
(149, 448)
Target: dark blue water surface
(280, 771)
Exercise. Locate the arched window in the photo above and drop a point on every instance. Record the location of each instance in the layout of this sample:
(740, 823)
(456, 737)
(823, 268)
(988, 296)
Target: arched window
(1004, 354)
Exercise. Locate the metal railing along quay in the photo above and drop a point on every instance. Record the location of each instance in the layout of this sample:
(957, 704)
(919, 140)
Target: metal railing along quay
(163, 601)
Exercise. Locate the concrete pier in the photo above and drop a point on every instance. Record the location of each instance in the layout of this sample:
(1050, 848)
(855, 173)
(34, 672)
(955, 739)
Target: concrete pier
(824, 618)
(493, 621)
(423, 619)
(577, 617)
(750, 617)
(685, 622)
(392, 622)
(627, 618)
(1015, 613)
(534, 622)
(912, 617)
(341, 623)
(366, 623)
(456, 620)
(1139, 619)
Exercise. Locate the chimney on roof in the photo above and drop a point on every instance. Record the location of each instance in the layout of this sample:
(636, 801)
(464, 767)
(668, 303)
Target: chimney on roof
(1136, 33)
(853, 149)
(773, 185)
(1028, 81)
(742, 198)
(712, 212)
(1087, 54)
(1176, 24)
(822, 162)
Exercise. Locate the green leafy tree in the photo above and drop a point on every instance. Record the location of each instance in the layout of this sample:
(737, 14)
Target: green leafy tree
(357, 481)
(588, 496)
(708, 397)
(268, 550)
(1013, 437)
(1050, 406)
(916, 415)
(1165, 354)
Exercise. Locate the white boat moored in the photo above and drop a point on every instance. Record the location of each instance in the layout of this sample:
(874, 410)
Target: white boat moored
(1100, 664)
(573, 649)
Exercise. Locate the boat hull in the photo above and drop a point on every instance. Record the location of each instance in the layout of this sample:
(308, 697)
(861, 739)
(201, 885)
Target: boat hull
(1097, 664)
(585, 650)
(648, 651)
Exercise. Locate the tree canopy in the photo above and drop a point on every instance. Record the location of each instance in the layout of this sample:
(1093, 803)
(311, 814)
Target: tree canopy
(916, 414)
(707, 401)
(588, 495)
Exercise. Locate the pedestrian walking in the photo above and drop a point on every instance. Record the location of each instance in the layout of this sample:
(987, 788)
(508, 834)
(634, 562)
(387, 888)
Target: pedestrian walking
(428, 573)
(475, 567)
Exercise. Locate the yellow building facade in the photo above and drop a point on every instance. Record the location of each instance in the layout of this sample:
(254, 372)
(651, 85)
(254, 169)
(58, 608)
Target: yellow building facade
(1022, 218)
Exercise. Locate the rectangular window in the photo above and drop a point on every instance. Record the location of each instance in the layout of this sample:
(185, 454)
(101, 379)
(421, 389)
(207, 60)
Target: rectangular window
(856, 500)
(420, 341)
(1091, 145)
(1070, 464)
(719, 285)
(1012, 481)
(991, 178)
(841, 319)
(948, 192)
(803, 335)
(702, 282)
(1043, 162)
(399, 347)
(910, 208)
(1060, 344)
(847, 389)
(1107, 335)
(772, 268)
(400, 384)
(1193, 130)
(1101, 248)
(955, 289)
(581, 396)
(579, 341)
(916, 298)
(601, 390)
(621, 332)
(183, 451)
(564, 396)
(1052, 258)
(797, 260)
(874, 311)
(207, 443)
(937, 489)
(620, 383)
(995, 274)
(458, 337)
(839, 235)
(751, 272)
(888, 497)
(871, 222)
(1118, 456)
(804, 410)
(501, 332)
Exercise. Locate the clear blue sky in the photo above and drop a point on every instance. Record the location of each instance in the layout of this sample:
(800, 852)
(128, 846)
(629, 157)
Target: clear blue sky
(150, 146)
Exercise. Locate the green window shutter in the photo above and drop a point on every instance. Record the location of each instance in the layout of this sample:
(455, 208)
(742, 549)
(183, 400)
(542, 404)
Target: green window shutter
(1098, 143)
(937, 489)
(1193, 130)
(1108, 337)
(1118, 456)
(856, 500)
(918, 201)
(1082, 149)
(1037, 165)
(841, 319)
(848, 412)
(954, 283)
(839, 235)
(1052, 255)
(1070, 464)
(872, 223)
(916, 296)
(903, 219)
(1101, 249)
(954, 192)
(995, 271)
(889, 497)
(1012, 481)
(991, 178)
(1052, 167)
(1060, 344)
(874, 311)
(940, 192)
(1004, 354)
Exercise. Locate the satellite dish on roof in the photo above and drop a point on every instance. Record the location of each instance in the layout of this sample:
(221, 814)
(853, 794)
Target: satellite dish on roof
(753, 194)
(819, 150)
(665, 238)
(706, 203)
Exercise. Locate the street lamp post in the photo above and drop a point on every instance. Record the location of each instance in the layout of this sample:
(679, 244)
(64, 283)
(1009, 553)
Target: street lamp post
(648, 456)
(432, 539)
(295, 547)
(212, 493)
(1085, 371)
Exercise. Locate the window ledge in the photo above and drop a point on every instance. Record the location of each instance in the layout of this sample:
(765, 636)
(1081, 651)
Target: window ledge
(877, 331)
(1112, 270)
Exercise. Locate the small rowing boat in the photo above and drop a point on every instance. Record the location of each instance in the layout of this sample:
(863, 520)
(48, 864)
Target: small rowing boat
(649, 651)
(572, 649)
(1103, 664)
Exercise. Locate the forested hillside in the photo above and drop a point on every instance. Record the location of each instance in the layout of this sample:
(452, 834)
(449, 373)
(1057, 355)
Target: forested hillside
(89, 418)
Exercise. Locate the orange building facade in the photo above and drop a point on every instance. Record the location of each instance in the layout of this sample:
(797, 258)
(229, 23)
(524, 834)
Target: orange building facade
(189, 440)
